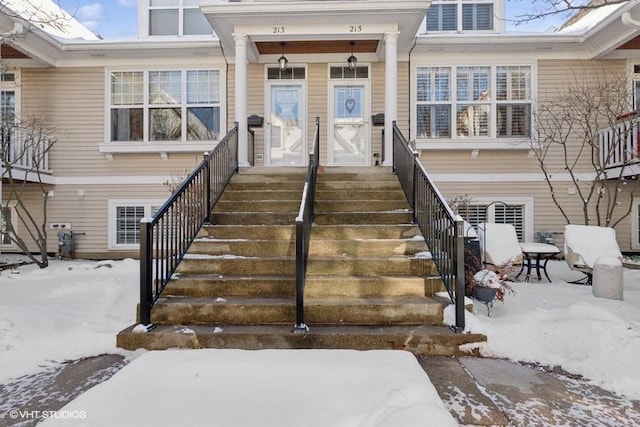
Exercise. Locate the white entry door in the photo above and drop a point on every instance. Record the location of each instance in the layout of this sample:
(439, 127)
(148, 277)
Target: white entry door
(286, 143)
(349, 132)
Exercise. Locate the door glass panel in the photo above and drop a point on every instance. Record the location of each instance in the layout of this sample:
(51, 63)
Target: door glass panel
(349, 142)
(286, 135)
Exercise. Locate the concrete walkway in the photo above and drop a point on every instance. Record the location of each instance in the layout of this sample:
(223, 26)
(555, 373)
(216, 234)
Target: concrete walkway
(492, 392)
(478, 392)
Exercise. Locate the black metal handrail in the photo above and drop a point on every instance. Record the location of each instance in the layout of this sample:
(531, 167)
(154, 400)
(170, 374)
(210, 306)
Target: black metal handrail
(443, 231)
(165, 237)
(304, 221)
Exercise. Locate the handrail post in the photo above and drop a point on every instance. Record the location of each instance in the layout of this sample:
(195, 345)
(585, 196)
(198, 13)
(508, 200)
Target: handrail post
(207, 184)
(459, 271)
(146, 271)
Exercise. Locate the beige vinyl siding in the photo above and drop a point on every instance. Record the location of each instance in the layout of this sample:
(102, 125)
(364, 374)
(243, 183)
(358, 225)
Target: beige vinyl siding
(72, 102)
(89, 213)
(556, 77)
(546, 215)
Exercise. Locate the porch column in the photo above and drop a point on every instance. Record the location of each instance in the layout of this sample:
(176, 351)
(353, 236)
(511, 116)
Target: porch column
(390, 93)
(241, 98)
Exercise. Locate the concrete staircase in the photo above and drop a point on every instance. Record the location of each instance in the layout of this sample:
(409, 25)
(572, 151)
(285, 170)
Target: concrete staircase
(370, 283)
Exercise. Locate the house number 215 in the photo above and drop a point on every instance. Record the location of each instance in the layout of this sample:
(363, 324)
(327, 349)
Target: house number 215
(355, 28)
(278, 30)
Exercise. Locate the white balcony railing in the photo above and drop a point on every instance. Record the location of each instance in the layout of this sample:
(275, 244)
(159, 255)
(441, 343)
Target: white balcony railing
(619, 145)
(27, 151)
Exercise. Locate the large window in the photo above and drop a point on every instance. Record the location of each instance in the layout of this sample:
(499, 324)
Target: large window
(124, 221)
(8, 222)
(468, 15)
(459, 102)
(165, 105)
(514, 213)
(177, 18)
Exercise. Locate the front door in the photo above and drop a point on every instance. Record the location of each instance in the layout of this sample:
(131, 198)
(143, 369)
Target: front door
(286, 135)
(349, 133)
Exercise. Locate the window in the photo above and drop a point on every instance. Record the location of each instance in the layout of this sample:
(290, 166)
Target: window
(166, 105)
(457, 102)
(8, 221)
(469, 15)
(177, 18)
(124, 221)
(513, 213)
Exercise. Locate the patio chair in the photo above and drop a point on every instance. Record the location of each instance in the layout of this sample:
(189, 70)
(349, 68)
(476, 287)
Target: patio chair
(499, 244)
(584, 244)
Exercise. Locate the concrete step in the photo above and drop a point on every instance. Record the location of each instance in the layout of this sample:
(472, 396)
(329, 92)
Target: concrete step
(328, 175)
(236, 265)
(265, 185)
(318, 311)
(357, 185)
(243, 247)
(421, 340)
(364, 231)
(318, 247)
(214, 286)
(271, 176)
(327, 206)
(243, 231)
(262, 206)
(385, 194)
(371, 266)
(252, 218)
(403, 216)
(245, 195)
(368, 247)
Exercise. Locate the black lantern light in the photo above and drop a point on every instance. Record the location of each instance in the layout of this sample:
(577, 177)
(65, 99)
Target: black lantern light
(352, 60)
(283, 61)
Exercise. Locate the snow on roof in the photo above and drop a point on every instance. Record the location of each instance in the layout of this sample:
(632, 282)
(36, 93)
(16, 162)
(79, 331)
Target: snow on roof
(50, 18)
(589, 19)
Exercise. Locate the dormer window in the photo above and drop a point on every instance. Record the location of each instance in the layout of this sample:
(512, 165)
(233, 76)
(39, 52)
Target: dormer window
(177, 18)
(461, 15)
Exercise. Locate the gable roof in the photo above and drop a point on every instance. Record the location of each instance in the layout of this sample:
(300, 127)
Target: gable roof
(46, 16)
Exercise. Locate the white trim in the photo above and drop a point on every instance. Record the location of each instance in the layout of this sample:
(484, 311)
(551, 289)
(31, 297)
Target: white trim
(635, 226)
(437, 177)
(147, 145)
(484, 142)
(113, 204)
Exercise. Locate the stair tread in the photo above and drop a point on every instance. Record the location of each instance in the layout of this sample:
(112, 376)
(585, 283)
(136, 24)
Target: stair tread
(399, 300)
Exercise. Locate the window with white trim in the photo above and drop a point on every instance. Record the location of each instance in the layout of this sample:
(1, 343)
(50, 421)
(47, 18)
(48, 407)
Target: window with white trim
(514, 213)
(164, 105)
(8, 221)
(124, 221)
(468, 15)
(459, 102)
(177, 18)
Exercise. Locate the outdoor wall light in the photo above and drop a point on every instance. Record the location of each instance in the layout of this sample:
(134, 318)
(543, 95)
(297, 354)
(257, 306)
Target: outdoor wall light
(283, 61)
(352, 60)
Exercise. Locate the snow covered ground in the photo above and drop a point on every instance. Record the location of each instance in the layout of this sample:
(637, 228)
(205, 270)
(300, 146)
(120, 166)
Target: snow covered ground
(74, 309)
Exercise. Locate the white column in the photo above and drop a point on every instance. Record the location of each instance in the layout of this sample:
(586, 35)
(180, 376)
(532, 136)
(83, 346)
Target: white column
(390, 93)
(241, 98)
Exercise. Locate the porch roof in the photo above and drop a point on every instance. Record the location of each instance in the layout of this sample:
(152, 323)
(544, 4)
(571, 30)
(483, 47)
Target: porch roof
(316, 28)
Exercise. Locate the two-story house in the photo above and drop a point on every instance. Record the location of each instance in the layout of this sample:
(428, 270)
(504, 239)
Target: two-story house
(130, 116)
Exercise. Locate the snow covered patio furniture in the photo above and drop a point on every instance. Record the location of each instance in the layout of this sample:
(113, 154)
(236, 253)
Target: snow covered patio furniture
(584, 244)
(499, 245)
(540, 253)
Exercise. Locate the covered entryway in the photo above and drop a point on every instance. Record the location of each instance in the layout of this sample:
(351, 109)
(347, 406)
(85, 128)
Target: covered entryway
(317, 32)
